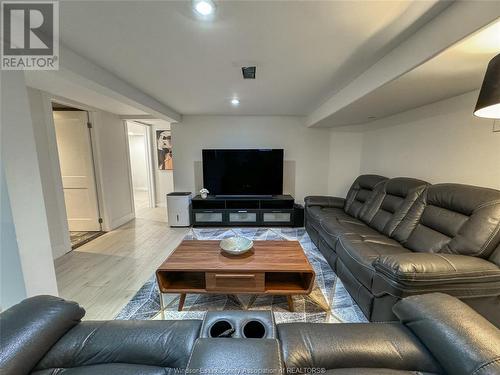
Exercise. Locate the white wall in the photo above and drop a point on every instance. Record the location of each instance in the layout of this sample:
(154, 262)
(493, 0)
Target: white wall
(24, 185)
(112, 162)
(12, 286)
(50, 172)
(111, 154)
(164, 180)
(345, 161)
(137, 142)
(440, 142)
(306, 150)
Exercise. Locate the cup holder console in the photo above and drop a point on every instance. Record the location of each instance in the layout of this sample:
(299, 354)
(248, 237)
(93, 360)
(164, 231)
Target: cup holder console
(239, 324)
(221, 328)
(254, 329)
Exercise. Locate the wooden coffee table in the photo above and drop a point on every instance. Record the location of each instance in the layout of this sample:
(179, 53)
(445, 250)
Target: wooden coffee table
(271, 267)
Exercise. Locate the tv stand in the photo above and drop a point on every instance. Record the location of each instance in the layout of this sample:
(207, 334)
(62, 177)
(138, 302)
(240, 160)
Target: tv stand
(243, 196)
(277, 210)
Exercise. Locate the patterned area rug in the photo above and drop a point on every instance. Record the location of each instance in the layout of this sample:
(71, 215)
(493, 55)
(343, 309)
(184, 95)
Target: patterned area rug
(329, 302)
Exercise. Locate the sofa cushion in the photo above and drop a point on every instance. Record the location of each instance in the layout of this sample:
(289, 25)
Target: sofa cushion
(352, 345)
(360, 192)
(453, 218)
(391, 202)
(418, 269)
(359, 252)
(318, 213)
(109, 369)
(374, 371)
(141, 342)
(333, 227)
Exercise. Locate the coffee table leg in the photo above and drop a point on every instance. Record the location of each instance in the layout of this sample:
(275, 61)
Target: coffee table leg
(162, 306)
(290, 303)
(182, 299)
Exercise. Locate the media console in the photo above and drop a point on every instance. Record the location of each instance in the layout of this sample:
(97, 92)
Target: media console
(242, 211)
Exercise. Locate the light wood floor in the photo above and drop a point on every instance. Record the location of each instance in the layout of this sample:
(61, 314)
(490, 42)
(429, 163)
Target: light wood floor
(104, 274)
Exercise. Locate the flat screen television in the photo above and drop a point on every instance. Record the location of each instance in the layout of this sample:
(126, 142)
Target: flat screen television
(257, 172)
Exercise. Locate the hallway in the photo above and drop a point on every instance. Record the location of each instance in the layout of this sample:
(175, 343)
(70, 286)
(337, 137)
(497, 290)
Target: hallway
(105, 273)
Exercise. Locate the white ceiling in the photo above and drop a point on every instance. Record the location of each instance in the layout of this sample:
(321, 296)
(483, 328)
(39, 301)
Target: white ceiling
(304, 51)
(457, 70)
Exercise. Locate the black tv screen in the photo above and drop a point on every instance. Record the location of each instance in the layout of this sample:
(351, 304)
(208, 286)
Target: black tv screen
(243, 172)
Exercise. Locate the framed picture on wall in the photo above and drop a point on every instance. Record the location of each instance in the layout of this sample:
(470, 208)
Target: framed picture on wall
(164, 148)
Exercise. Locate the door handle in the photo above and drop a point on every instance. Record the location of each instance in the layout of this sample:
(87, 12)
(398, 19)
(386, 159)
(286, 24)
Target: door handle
(234, 276)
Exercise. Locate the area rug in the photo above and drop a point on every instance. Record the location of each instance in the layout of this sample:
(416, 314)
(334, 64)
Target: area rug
(329, 301)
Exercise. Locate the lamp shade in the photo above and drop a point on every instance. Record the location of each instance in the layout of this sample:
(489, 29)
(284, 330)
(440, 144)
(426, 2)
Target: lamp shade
(488, 102)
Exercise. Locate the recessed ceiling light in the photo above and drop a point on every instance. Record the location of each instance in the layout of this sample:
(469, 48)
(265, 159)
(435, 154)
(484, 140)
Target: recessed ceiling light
(235, 101)
(204, 7)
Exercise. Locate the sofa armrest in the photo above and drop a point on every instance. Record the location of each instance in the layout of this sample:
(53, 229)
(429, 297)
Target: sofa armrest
(29, 329)
(459, 338)
(429, 267)
(324, 201)
(352, 345)
(148, 342)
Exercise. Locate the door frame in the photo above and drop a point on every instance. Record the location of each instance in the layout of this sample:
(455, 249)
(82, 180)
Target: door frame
(56, 168)
(149, 162)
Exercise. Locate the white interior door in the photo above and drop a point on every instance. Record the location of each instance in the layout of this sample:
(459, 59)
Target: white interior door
(77, 170)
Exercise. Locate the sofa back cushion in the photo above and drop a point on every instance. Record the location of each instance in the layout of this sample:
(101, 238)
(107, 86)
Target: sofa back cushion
(360, 192)
(454, 219)
(391, 201)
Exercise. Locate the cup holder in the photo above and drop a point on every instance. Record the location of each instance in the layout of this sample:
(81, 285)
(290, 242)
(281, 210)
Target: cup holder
(221, 328)
(254, 330)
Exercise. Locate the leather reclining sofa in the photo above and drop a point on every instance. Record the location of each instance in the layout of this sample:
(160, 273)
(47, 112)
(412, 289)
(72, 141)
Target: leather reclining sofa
(436, 335)
(393, 238)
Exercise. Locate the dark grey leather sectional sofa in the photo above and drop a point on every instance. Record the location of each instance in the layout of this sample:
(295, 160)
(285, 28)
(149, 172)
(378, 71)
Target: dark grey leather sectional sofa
(393, 238)
(437, 335)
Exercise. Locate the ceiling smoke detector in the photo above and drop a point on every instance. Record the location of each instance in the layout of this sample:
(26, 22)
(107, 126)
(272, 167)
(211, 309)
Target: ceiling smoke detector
(248, 72)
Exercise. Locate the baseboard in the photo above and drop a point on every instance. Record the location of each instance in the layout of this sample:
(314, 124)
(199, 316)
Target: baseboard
(122, 220)
(59, 250)
(161, 204)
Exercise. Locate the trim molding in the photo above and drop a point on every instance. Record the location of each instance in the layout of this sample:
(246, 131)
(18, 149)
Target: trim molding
(121, 220)
(60, 250)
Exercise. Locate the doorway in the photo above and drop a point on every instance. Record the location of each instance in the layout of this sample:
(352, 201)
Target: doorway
(139, 142)
(74, 147)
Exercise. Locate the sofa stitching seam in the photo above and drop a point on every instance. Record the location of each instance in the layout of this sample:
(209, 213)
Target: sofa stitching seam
(490, 238)
(486, 204)
(496, 359)
(447, 261)
(191, 354)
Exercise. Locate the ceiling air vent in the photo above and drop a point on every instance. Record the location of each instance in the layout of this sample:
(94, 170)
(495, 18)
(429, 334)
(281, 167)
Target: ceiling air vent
(248, 72)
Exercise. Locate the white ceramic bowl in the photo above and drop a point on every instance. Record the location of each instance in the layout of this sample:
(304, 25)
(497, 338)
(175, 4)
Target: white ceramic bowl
(236, 245)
